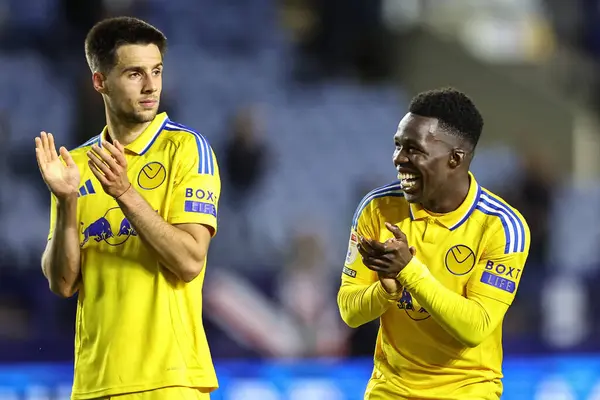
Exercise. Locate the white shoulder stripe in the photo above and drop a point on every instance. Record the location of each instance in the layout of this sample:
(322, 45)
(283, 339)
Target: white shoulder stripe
(513, 226)
(206, 163)
(393, 189)
(89, 142)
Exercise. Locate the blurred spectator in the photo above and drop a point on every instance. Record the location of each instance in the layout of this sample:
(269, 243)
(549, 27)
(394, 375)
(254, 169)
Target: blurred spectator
(77, 19)
(81, 16)
(307, 293)
(532, 196)
(245, 162)
(531, 192)
(344, 38)
(14, 315)
(90, 117)
(13, 319)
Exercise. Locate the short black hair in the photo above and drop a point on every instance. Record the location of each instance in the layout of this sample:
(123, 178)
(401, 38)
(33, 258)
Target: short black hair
(453, 109)
(108, 35)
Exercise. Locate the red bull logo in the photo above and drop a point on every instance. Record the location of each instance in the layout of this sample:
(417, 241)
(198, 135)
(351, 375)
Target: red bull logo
(412, 309)
(101, 230)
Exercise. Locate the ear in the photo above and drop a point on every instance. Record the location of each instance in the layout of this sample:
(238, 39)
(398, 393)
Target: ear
(99, 82)
(457, 158)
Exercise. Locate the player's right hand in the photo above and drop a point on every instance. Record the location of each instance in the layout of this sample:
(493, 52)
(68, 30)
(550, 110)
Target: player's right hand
(390, 283)
(61, 178)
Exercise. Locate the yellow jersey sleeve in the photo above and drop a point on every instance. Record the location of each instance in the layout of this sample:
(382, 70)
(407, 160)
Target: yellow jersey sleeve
(499, 271)
(52, 215)
(469, 319)
(489, 292)
(361, 297)
(354, 270)
(197, 185)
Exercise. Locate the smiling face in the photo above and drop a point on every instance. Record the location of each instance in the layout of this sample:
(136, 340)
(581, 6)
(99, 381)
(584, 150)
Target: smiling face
(133, 86)
(428, 160)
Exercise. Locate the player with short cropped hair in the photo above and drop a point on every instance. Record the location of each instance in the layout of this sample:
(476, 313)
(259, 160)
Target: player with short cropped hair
(440, 261)
(133, 211)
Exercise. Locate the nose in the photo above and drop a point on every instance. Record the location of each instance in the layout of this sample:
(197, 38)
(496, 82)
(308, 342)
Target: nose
(150, 84)
(400, 157)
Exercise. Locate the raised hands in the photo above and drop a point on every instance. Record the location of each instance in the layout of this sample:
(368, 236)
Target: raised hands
(62, 178)
(387, 259)
(110, 167)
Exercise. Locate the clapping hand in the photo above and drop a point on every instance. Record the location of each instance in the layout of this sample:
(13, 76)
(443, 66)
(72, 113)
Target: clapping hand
(110, 167)
(387, 259)
(62, 178)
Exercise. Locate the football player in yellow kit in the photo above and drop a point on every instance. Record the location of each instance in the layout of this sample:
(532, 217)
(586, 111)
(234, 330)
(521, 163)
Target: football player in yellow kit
(440, 261)
(132, 216)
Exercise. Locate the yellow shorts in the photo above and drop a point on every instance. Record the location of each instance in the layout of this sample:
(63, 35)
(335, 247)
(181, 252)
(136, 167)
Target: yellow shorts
(169, 393)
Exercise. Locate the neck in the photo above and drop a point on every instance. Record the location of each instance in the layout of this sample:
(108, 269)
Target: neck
(123, 131)
(452, 198)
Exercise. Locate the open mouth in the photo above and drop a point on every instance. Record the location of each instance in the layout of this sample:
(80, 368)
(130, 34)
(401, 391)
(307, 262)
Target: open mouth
(409, 181)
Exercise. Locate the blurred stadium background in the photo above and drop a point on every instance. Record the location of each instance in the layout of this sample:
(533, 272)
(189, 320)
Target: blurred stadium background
(300, 100)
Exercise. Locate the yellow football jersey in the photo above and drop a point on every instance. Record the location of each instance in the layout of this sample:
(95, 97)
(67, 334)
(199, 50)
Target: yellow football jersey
(476, 252)
(137, 328)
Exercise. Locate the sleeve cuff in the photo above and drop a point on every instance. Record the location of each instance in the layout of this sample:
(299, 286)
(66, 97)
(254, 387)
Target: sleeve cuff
(383, 294)
(185, 219)
(414, 271)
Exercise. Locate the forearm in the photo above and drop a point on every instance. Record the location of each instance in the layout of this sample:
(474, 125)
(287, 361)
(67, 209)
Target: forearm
(61, 262)
(360, 304)
(176, 249)
(467, 320)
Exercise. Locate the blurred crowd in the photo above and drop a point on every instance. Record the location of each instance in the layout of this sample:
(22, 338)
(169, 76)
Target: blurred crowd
(299, 100)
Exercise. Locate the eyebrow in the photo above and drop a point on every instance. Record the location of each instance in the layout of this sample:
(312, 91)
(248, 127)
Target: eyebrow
(138, 68)
(409, 140)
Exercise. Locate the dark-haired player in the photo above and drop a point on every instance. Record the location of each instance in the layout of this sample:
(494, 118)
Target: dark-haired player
(440, 261)
(133, 212)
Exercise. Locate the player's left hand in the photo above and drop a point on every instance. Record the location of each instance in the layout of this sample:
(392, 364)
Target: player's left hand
(387, 258)
(110, 167)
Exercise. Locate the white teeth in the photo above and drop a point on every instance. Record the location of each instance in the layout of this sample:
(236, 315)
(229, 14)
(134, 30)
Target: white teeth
(407, 184)
(407, 180)
(407, 176)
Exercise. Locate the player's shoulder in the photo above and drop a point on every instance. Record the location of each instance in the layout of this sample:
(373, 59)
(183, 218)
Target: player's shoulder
(383, 197)
(496, 209)
(80, 151)
(192, 145)
(184, 136)
(500, 216)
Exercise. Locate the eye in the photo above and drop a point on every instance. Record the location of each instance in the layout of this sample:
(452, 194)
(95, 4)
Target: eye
(157, 72)
(408, 148)
(134, 75)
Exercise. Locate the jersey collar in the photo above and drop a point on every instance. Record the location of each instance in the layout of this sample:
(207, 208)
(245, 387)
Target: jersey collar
(456, 218)
(143, 142)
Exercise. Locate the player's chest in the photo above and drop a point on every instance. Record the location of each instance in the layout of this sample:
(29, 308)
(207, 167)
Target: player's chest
(102, 222)
(451, 256)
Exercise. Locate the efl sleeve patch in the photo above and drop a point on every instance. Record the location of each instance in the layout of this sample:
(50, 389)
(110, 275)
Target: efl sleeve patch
(200, 207)
(195, 197)
(352, 249)
(498, 282)
(349, 271)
